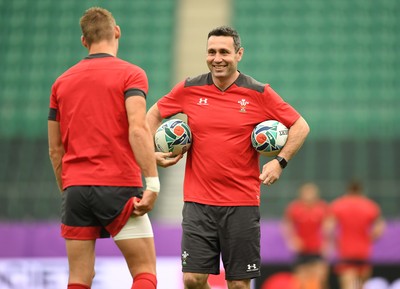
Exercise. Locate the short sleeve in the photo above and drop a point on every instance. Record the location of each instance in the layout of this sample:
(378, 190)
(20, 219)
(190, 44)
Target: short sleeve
(277, 108)
(136, 83)
(173, 102)
(54, 113)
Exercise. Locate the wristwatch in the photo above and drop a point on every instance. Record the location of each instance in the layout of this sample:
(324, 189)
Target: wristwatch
(283, 163)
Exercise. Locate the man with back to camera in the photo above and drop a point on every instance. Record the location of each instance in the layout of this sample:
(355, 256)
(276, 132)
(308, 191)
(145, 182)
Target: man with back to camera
(222, 180)
(99, 146)
(359, 224)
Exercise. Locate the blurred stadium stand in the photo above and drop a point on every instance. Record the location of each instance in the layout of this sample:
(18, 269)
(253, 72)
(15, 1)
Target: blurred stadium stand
(39, 40)
(335, 61)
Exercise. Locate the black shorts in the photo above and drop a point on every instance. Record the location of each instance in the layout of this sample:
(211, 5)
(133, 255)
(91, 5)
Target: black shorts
(359, 265)
(91, 212)
(211, 233)
(307, 258)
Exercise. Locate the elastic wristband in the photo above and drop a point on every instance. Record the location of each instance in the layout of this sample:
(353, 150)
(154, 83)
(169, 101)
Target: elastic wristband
(152, 184)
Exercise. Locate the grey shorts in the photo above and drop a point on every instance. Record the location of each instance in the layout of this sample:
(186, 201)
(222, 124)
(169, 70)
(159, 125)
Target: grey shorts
(212, 233)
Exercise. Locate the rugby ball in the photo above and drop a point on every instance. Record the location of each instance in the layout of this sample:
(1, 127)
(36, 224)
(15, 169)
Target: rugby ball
(174, 136)
(269, 137)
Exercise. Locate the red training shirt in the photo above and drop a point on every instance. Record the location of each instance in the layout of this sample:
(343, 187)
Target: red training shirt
(355, 216)
(89, 102)
(222, 168)
(307, 221)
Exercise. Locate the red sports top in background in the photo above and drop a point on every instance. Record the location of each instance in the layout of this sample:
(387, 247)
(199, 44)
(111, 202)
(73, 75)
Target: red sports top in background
(89, 102)
(308, 221)
(355, 216)
(222, 168)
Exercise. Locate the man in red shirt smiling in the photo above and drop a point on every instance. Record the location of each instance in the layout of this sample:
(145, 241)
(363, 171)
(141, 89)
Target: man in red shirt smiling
(221, 215)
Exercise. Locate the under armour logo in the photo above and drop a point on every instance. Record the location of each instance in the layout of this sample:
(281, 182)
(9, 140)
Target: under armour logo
(203, 101)
(251, 267)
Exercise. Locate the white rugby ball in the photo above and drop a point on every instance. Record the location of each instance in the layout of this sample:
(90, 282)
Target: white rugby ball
(269, 137)
(174, 136)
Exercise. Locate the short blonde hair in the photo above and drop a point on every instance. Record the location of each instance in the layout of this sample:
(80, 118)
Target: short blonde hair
(97, 24)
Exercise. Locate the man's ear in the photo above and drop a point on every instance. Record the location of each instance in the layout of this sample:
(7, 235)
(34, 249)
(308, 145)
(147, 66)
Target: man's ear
(240, 53)
(84, 43)
(117, 32)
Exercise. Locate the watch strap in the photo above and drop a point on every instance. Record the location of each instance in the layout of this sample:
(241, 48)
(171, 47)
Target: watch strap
(282, 162)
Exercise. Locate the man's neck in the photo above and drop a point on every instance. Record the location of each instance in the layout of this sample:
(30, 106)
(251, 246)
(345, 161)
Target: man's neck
(224, 83)
(103, 47)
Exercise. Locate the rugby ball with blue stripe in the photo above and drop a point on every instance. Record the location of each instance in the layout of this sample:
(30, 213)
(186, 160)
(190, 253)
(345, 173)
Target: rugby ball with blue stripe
(269, 137)
(174, 136)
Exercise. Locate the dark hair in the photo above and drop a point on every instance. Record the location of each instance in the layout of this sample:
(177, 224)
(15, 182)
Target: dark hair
(355, 187)
(227, 31)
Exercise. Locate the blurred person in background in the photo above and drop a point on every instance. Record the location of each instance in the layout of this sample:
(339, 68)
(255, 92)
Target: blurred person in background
(354, 223)
(99, 145)
(303, 225)
(221, 217)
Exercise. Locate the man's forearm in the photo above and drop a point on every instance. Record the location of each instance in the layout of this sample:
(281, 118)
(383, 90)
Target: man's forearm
(56, 161)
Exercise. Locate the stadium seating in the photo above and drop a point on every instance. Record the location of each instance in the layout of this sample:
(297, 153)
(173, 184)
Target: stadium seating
(39, 40)
(43, 39)
(337, 63)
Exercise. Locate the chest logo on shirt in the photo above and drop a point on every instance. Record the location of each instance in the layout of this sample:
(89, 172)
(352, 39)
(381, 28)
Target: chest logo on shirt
(203, 101)
(243, 104)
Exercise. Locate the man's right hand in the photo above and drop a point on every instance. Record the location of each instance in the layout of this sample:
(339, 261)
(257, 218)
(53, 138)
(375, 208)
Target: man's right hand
(145, 204)
(166, 159)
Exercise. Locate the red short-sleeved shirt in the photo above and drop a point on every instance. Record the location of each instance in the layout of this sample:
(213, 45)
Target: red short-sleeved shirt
(222, 167)
(307, 221)
(89, 102)
(355, 215)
